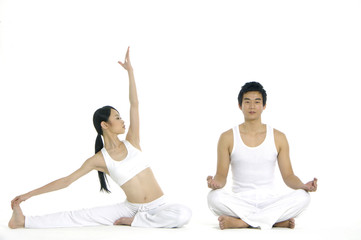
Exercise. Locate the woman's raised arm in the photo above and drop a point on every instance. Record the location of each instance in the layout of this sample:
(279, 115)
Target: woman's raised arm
(133, 132)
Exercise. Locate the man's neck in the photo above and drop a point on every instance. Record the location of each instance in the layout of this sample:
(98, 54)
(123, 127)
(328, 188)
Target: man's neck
(252, 126)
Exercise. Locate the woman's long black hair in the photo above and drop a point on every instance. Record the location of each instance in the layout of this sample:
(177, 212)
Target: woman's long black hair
(101, 115)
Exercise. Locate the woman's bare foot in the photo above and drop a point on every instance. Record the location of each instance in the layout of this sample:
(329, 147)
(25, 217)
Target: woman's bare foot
(124, 221)
(18, 219)
(290, 223)
(231, 222)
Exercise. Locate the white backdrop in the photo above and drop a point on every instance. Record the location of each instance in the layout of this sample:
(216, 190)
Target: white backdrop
(59, 64)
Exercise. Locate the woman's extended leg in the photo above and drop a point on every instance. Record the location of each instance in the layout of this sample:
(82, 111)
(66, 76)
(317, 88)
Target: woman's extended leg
(105, 215)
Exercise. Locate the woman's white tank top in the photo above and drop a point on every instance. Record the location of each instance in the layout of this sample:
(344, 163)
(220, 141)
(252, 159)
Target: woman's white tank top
(124, 170)
(253, 168)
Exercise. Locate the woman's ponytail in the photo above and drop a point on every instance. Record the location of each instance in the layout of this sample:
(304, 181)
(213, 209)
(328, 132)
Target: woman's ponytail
(98, 143)
(100, 115)
(102, 177)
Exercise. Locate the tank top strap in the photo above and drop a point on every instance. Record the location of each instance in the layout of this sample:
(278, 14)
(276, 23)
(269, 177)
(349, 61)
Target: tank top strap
(130, 148)
(107, 158)
(236, 138)
(236, 135)
(269, 135)
(127, 144)
(271, 139)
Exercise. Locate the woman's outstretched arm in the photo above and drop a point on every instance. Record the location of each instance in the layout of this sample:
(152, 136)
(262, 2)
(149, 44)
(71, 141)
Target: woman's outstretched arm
(133, 132)
(61, 183)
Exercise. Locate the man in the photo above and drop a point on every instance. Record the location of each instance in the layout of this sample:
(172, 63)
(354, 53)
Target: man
(252, 150)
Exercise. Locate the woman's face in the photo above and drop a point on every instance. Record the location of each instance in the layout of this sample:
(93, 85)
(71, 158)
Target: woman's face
(115, 123)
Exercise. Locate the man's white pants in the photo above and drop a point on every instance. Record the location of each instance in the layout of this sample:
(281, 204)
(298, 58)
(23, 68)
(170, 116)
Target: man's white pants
(157, 214)
(258, 210)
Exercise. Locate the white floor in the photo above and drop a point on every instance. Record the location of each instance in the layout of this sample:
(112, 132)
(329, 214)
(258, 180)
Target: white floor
(205, 229)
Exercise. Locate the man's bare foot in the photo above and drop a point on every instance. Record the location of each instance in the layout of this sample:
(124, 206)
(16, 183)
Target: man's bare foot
(290, 223)
(124, 221)
(231, 222)
(17, 219)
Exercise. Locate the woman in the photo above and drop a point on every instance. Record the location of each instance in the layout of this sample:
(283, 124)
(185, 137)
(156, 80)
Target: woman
(145, 205)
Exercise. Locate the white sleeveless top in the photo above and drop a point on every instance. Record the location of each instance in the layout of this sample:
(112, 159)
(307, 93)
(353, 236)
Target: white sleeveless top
(124, 170)
(253, 168)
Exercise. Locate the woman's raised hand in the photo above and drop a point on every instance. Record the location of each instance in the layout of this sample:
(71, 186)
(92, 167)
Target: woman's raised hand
(126, 64)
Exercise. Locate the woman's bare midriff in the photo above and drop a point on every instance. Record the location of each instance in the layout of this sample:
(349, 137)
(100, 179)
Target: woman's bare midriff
(142, 188)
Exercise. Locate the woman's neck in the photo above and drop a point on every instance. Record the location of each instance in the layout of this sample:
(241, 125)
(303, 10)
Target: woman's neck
(111, 141)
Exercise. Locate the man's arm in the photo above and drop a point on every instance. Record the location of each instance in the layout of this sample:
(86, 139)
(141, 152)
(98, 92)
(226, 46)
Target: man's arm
(284, 163)
(223, 160)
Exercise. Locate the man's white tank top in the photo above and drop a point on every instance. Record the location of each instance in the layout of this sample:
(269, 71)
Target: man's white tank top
(253, 168)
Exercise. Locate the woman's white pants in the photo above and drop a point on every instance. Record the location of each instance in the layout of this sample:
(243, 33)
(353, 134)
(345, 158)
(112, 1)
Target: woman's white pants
(156, 214)
(258, 210)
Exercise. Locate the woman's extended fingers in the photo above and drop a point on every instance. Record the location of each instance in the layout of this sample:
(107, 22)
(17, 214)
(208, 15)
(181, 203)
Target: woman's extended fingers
(17, 200)
(126, 63)
(14, 201)
(127, 58)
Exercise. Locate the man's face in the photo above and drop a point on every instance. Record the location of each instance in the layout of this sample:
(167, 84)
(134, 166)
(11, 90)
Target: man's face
(252, 105)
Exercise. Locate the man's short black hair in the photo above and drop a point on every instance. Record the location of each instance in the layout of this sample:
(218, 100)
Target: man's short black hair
(250, 87)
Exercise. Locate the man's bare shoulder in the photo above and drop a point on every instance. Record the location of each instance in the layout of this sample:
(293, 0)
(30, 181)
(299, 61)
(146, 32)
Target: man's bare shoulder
(280, 137)
(227, 135)
(278, 133)
(225, 142)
